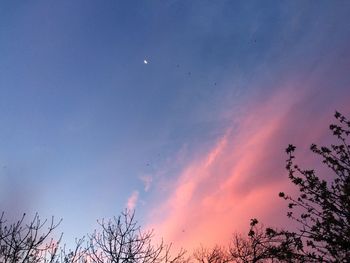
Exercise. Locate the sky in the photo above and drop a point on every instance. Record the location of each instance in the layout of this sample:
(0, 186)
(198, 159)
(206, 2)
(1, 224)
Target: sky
(194, 139)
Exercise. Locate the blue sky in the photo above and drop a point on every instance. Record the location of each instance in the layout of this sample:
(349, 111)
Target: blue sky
(83, 118)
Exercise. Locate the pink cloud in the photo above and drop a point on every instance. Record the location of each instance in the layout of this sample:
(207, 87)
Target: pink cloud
(239, 178)
(132, 200)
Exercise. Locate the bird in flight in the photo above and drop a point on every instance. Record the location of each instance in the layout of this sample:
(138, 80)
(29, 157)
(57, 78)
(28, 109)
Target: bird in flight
(145, 62)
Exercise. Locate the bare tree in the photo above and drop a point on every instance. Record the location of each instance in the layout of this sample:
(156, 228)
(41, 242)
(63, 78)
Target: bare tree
(121, 240)
(77, 255)
(216, 254)
(117, 241)
(22, 242)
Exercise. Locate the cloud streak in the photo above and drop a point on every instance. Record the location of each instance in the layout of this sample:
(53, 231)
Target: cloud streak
(132, 200)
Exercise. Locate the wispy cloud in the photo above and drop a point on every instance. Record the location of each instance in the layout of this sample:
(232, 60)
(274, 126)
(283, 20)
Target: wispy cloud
(132, 200)
(147, 181)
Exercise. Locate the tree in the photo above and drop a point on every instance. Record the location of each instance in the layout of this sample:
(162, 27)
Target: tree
(77, 255)
(121, 240)
(214, 255)
(21, 242)
(261, 245)
(322, 208)
(117, 241)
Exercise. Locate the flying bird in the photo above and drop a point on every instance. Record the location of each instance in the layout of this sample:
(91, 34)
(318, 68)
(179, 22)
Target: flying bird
(145, 61)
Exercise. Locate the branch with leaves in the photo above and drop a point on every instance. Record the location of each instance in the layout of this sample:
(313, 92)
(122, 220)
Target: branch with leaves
(322, 208)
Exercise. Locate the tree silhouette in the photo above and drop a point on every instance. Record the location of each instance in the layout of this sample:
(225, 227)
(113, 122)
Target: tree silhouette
(322, 209)
(262, 245)
(21, 242)
(214, 255)
(116, 241)
(121, 240)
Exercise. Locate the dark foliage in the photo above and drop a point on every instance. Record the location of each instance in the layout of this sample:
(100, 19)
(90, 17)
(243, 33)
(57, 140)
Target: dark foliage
(322, 208)
(262, 245)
